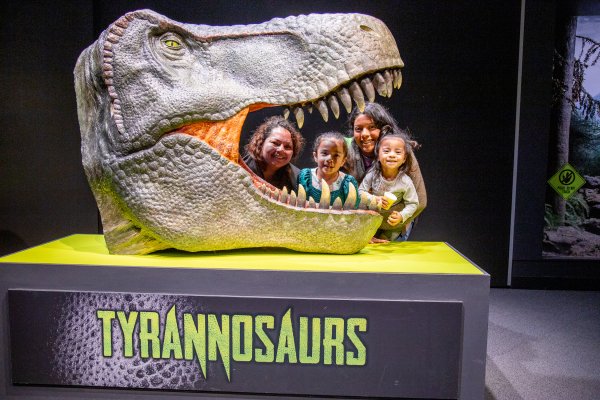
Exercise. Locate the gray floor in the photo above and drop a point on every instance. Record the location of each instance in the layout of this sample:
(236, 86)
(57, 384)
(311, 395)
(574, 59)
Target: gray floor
(543, 345)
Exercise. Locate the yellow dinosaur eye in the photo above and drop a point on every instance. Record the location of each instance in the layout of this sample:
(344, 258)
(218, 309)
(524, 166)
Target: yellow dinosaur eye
(173, 44)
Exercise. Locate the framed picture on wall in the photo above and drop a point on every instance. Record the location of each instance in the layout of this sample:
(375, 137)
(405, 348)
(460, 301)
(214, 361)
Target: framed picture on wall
(572, 206)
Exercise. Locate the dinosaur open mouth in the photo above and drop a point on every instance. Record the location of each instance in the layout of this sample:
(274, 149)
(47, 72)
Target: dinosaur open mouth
(224, 136)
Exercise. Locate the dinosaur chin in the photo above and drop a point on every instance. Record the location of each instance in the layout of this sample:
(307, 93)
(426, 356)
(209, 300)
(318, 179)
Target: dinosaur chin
(161, 107)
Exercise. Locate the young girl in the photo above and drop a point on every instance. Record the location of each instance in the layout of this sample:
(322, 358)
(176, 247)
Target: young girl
(330, 152)
(388, 174)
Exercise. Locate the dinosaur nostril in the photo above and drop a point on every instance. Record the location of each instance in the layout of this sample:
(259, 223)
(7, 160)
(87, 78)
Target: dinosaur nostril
(366, 28)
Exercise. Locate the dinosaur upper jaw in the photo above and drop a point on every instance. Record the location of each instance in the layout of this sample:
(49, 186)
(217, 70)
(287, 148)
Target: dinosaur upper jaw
(219, 71)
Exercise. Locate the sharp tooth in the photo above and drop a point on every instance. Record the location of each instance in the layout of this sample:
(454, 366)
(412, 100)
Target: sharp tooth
(357, 95)
(275, 194)
(264, 189)
(299, 116)
(364, 201)
(322, 107)
(389, 82)
(301, 200)
(310, 108)
(337, 204)
(373, 204)
(311, 203)
(292, 198)
(325, 195)
(380, 85)
(284, 195)
(350, 202)
(397, 78)
(367, 87)
(345, 98)
(286, 113)
(334, 105)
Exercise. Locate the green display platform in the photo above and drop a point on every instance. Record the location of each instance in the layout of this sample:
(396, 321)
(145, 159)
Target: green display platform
(401, 320)
(416, 257)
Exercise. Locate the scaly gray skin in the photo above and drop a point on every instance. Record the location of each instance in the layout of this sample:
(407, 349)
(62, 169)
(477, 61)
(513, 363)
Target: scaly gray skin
(162, 182)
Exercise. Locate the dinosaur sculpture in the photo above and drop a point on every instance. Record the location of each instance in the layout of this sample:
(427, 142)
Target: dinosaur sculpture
(161, 105)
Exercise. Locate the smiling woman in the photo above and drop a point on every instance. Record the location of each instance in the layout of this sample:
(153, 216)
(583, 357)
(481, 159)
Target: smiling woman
(272, 147)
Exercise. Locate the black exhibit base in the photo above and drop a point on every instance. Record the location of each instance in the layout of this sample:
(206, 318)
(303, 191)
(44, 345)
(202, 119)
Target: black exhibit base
(401, 320)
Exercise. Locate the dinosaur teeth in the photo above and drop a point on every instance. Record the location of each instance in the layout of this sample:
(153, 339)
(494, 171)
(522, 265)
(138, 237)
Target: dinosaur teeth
(345, 98)
(301, 199)
(351, 198)
(275, 194)
(373, 205)
(379, 83)
(364, 201)
(357, 95)
(337, 204)
(299, 114)
(283, 197)
(360, 91)
(322, 107)
(397, 78)
(325, 195)
(334, 105)
(368, 89)
(389, 82)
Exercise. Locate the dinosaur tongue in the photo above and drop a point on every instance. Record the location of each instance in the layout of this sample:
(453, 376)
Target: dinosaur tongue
(223, 136)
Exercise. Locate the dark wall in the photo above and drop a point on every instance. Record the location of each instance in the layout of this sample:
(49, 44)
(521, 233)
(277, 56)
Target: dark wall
(458, 98)
(43, 191)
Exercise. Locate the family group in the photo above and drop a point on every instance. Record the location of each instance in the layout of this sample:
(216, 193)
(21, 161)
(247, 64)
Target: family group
(376, 159)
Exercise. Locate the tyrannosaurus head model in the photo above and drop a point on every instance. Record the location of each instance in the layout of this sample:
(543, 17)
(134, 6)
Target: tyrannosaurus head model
(161, 105)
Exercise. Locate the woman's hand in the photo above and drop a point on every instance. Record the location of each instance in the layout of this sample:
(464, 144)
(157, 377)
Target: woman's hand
(375, 240)
(395, 218)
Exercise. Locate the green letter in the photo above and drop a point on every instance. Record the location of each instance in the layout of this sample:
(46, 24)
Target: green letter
(268, 355)
(195, 339)
(149, 329)
(218, 340)
(286, 344)
(106, 316)
(127, 327)
(236, 335)
(316, 341)
(361, 350)
(333, 337)
(171, 339)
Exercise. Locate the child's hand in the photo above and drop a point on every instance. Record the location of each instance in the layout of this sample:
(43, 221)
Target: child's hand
(395, 218)
(383, 202)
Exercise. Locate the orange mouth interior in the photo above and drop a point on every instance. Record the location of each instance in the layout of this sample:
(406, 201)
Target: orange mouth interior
(224, 136)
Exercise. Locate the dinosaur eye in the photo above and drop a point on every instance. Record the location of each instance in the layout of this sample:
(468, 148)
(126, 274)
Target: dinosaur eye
(171, 43)
(170, 47)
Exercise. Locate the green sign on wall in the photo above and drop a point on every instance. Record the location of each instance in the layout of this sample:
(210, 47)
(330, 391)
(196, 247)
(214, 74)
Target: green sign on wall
(566, 181)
